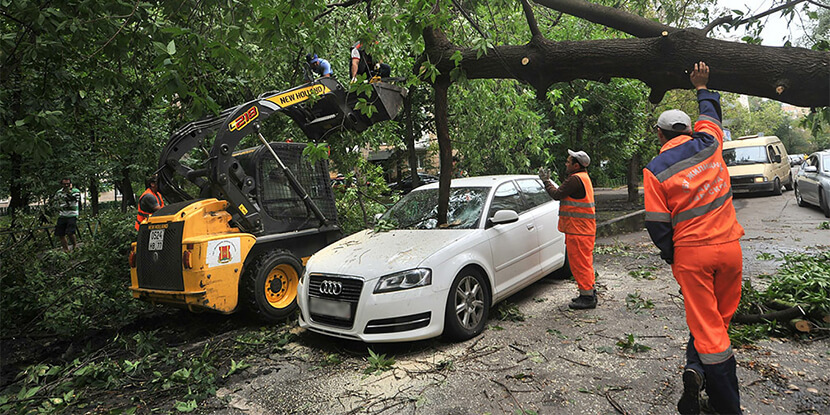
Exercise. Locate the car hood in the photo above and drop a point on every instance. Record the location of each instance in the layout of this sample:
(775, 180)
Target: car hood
(371, 254)
(747, 169)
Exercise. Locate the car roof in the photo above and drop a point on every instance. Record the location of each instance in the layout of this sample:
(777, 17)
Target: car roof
(751, 141)
(481, 181)
(821, 153)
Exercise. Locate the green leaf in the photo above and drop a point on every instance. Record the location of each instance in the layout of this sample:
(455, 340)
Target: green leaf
(188, 406)
(171, 48)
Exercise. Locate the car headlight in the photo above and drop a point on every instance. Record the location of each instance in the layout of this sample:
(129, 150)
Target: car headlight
(760, 179)
(404, 280)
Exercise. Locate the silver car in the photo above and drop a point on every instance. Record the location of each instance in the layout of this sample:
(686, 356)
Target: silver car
(812, 184)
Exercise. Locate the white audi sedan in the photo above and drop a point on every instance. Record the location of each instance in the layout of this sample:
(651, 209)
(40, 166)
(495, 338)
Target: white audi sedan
(411, 279)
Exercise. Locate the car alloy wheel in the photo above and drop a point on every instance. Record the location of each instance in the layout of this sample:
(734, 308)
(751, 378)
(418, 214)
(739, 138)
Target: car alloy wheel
(468, 305)
(798, 198)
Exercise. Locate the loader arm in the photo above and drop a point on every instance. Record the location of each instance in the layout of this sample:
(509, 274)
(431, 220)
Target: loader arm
(331, 109)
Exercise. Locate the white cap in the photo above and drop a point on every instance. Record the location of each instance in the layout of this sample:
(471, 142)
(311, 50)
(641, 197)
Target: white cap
(674, 120)
(581, 157)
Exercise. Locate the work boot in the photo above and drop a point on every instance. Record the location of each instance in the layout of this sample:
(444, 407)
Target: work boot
(689, 403)
(583, 302)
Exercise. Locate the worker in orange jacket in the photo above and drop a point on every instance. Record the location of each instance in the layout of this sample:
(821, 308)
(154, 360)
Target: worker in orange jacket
(577, 220)
(149, 202)
(691, 219)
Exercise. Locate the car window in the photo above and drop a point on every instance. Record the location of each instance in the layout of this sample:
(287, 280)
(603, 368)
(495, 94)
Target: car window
(534, 192)
(825, 164)
(419, 209)
(506, 197)
(771, 151)
(745, 155)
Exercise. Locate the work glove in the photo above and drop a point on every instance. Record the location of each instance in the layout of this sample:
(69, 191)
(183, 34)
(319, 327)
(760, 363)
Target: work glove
(544, 174)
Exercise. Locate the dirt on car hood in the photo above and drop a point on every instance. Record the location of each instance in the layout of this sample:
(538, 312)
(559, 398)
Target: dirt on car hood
(373, 254)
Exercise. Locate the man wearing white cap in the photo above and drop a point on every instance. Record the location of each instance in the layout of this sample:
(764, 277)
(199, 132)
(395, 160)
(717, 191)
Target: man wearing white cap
(691, 219)
(577, 220)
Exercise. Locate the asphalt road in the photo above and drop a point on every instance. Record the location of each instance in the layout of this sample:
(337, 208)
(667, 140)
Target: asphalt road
(554, 360)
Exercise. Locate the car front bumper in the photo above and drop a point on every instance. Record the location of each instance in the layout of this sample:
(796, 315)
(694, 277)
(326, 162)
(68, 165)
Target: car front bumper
(753, 187)
(407, 315)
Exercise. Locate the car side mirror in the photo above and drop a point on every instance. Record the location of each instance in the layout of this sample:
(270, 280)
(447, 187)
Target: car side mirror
(504, 216)
(810, 169)
(777, 158)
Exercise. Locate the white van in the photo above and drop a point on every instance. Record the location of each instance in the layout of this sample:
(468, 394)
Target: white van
(757, 164)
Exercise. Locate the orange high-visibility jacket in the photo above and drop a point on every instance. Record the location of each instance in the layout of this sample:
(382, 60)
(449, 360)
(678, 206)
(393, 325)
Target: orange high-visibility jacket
(688, 194)
(578, 216)
(142, 214)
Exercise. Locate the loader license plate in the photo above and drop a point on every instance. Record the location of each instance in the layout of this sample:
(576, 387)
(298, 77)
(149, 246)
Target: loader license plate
(156, 240)
(330, 308)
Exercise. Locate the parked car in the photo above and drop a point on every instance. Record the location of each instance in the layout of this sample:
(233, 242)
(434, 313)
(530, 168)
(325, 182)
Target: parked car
(420, 280)
(757, 164)
(405, 184)
(797, 159)
(812, 183)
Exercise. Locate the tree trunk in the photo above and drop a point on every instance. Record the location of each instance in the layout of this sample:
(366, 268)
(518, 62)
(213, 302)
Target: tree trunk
(19, 198)
(633, 178)
(126, 188)
(409, 138)
(93, 194)
(444, 147)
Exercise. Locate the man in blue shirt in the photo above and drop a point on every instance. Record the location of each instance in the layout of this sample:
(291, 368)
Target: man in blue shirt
(320, 66)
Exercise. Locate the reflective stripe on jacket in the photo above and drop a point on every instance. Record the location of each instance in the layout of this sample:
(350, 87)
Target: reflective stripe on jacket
(688, 194)
(578, 216)
(141, 213)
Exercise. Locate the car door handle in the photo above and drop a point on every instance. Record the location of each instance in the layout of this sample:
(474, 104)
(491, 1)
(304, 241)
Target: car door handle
(529, 227)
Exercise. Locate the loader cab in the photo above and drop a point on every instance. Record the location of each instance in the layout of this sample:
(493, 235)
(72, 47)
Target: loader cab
(281, 207)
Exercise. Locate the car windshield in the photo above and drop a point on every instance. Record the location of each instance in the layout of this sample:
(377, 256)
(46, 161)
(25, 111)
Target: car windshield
(419, 209)
(745, 155)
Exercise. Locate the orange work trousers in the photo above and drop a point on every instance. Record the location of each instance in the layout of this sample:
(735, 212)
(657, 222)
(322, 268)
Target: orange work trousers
(710, 278)
(580, 250)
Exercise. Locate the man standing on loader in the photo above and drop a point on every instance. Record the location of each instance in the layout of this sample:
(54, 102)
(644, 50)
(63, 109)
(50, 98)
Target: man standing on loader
(149, 202)
(691, 219)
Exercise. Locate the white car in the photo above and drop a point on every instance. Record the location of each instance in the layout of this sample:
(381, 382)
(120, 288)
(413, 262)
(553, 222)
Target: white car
(418, 280)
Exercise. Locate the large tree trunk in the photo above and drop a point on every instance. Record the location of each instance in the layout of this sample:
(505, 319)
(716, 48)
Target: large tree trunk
(794, 75)
(444, 147)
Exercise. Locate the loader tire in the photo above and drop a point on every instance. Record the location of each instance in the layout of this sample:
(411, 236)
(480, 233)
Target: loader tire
(271, 285)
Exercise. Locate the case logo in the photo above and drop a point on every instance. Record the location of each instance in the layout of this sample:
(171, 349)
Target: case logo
(241, 121)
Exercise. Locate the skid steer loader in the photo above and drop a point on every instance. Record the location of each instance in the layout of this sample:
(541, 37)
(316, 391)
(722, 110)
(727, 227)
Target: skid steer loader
(259, 212)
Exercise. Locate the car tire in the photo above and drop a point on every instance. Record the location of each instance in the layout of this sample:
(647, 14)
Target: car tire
(776, 187)
(271, 285)
(798, 198)
(789, 185)
(823, 203)
(468, 305)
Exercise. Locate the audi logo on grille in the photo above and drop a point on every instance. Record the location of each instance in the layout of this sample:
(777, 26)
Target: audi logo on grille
(331, 287)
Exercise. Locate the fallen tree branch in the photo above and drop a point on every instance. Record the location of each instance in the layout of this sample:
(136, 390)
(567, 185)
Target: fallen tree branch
(782, 315)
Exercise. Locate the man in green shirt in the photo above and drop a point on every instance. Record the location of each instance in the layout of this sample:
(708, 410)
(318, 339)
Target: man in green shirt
(67, 199)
